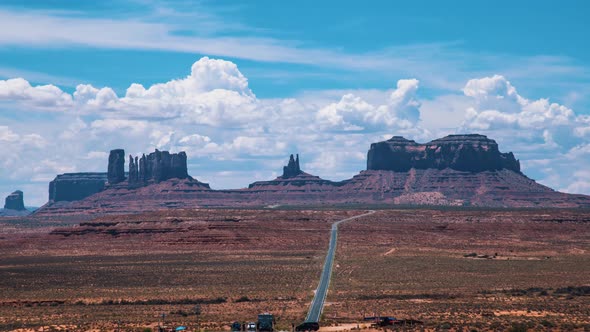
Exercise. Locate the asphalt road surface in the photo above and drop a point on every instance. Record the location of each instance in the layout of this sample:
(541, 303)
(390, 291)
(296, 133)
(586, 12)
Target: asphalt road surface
(317, 304)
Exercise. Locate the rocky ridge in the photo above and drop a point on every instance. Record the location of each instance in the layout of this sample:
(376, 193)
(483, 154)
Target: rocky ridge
(457, 170)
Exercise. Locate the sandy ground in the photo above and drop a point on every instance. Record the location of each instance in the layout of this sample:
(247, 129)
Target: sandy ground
(410, 264)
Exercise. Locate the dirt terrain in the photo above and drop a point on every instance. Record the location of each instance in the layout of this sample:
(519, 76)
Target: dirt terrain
(451, 269)
(466, 269)
(133, 268)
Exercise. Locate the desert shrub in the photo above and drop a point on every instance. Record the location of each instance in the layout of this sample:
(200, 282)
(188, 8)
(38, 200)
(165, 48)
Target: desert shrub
(147, 329)
(568, 326)
(496, 326)
(518, 292)
(574, 291)
(445, 325)
(217, 300)
(547, 323)
(518, 327)
(180, 313)
(443, 296)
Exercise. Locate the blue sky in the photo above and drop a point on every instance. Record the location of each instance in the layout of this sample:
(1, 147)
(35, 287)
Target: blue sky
(331, 75)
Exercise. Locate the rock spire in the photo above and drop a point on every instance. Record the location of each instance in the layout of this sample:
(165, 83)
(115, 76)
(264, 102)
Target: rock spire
(292, 169)
(116, 167)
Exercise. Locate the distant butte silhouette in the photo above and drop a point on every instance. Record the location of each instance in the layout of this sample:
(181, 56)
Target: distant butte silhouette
(15, 201)
(456, 170)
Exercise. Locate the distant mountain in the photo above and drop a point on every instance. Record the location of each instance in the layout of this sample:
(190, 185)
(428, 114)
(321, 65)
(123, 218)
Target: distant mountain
(456, 170)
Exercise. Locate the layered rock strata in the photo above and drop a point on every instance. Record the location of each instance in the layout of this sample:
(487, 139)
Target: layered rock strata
(457, 170)
(470, 153)
(76, 186)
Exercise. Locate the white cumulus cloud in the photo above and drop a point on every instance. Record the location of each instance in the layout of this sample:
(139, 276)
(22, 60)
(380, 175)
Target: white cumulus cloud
(400, 111)
(538, 129)
(213, 115)
(48, 97)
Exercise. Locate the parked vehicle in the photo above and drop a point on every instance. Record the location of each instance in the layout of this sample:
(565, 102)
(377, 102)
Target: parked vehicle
(266, 322)
(236, 326)
(251, 326)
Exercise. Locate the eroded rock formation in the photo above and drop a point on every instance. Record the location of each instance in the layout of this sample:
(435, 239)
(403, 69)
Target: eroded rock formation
(156, 167)
(293, 179)
(133, 170)
(468, 153)
(153, 168)
(458, 170)
(116, 167)
(15, 201)
(76, 186)
(292, 169)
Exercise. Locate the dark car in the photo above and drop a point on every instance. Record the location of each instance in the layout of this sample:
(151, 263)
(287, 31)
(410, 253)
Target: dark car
(236, 326)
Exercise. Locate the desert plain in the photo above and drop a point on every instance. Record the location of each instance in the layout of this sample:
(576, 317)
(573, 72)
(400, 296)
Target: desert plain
(453, 269)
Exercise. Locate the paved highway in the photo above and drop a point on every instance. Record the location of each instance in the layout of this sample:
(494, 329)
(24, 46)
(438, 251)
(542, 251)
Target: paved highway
(317, 304)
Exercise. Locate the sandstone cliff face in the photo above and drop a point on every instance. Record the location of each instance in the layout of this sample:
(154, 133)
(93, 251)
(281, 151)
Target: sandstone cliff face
(133, 170)
(76, 186)
(116, 167)
(468, 153)
(156, 167)
(15, 201)
(458, 170)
